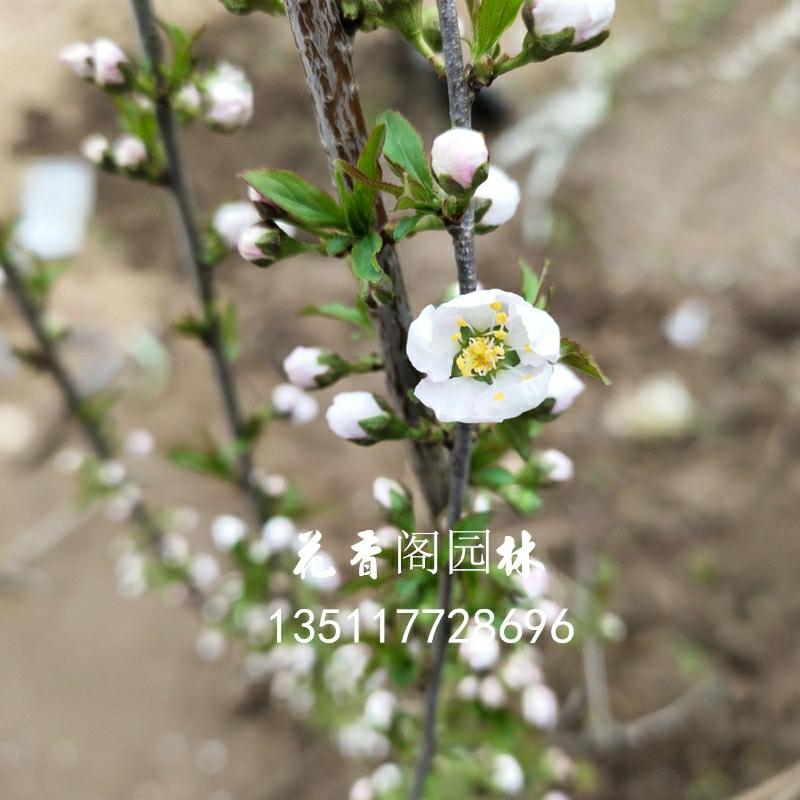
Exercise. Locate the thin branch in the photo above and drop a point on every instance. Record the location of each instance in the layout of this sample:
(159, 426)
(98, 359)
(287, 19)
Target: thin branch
(202, 270)
(325, 50)
(463, 236)
(98, 439)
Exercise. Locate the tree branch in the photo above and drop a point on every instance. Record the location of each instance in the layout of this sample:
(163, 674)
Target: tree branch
(463, 235)
(202, 272)
(98, 439)
(325, 50)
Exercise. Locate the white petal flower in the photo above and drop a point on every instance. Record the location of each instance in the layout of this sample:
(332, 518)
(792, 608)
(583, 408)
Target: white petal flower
(95, 147)
(687, 325)
(386, 778)
(491, 692)
(379, 709)
(188, 99)
(348, 409)
(503, 191)
(540, 706)
(480, 649)
(589, 18)
(521, 670)
(78, 57)
(279, 533)
(227, 531)
(129, 152)
(302, 366)
(382, 489)
(508, 776)
(362, 790)
(231, 220)
(255, 243)
(230, 97)
(457, 154)
(107, 57)
(565, 387)
(468, 688)
(557, 465)
(204, 570)
(503, 348)
(139, 443)
(298, 405)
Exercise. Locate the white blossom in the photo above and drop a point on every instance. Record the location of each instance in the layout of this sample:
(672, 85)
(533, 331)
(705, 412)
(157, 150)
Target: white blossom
(293, 402)
(386, 778)
(491, 692)
(520, 670)
(557, 465)
(480, 649)
(346, 667)
(565, 386)
(468, 687)
(687, 325)
(279, 533)
(348, 409)
(360, 741)
(503, 192)
(361, 790)
(188, 99)
(507, 775)
(540, 706)
(204, 570)
(229, 97)
(107, 58)
(589, 18)
(231, 220)
(560, 764)
(95, 147)
(129, 152)
(78, 57)
(227, 531)
(502, 347)
(379, 709)
(253, 242)
(210, 644)
(139, 442)
(302, 366)
(111, 473)
(382, 489)
(458, 154)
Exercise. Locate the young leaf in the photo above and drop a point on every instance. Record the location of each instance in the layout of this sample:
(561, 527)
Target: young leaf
(524, 501)
(577, 356)
(356, 316)
(404, 151)
(492, 19)
(300, 199)
(363, 258)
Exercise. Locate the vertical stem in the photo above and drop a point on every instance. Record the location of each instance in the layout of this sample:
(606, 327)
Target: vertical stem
(463, 236)
(202, 271)
(325, 53)
(98, 439)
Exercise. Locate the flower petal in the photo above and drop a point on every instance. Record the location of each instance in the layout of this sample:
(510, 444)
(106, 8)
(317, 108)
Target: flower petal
(452, 400)
(430, 347)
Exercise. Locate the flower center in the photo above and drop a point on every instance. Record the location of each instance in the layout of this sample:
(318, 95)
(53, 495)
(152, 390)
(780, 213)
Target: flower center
(480, 356)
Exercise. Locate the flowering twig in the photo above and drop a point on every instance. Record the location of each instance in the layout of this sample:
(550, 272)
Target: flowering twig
(202, 270)
(325, 53)
(463, 235)
(51, 361)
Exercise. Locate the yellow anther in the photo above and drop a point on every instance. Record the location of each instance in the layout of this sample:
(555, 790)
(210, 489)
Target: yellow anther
(499, 396)
(501, 318)
(496, 306)
(456, 337)
(528, 348)
(462, 323)
(527, 377)
(461, 363)
(500, 335)
(480, 356)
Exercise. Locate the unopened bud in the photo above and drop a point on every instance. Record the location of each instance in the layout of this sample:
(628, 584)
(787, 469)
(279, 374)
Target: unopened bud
(129, 152)
(459, 159)
(553, 18)
(95, 148)
(229, 96)
(108, 58)
(260, 244)
(78, 57)
(502, 193)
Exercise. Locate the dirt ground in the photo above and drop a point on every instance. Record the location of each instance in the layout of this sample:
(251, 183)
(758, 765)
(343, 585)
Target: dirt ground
(690, 188)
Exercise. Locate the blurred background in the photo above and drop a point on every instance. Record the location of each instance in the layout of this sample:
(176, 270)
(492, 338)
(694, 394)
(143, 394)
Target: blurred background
(661, 177)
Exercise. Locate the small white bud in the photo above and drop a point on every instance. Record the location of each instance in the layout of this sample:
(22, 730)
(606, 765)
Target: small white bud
(231, 220)
(95, 147)
(108, 57)
(78, 58)
(129, 152)
(508, 776)
(229, 96)
(204, 570)
(379, 709)
(302, 366)
(557, 465)
(480, 649)
(589, 18)
(540, 706)
(382, 489)
(293, 402)
(468, 688)
(227, 531)
(458, 154)
(188, 99)
(362, 790)
(386, 778)
(491, 692)
(348, 409)
(139, 443)
(210, 644)
(279, 533)
(503, 192)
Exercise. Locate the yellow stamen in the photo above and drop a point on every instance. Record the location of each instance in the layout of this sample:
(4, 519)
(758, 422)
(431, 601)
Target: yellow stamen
(501, 318)
(496, 306)
(480, 356)
(528, 348)
(462, 323)
(499, 396)
(527, 377)
(456, 337)
(500, 335)
(461, 363)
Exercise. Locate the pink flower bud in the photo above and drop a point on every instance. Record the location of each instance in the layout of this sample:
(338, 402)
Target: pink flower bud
(347, 411)
(188, 99)
(231, 220)
(503, 193)
(229, 96)
(457, 154)
(557, 465)
(95, 147)
(302, 366)
(78, 58)
(589, 18)
(129, 152)
(258, 244)
(108, 58)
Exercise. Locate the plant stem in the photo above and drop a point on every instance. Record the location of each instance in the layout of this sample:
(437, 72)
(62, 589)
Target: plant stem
(202, 271)
(93, 430)
(325, 54)
(463, 235)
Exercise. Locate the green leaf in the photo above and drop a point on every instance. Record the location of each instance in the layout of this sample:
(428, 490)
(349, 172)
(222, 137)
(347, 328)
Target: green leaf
(355, 316)
(473, 522)
(404, 151)
(577, 356)
(517, 433)
(492, 19)
(363, 258)
(227, 330)
(494, 478)
(191, 326)
(522, 500)
(300, 199)
(406, 226)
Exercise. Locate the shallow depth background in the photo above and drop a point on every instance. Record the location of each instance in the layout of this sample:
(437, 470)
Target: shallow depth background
(689, 188)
